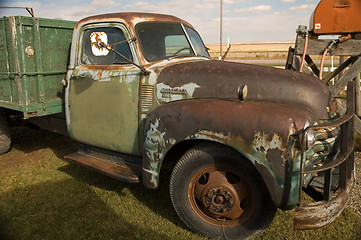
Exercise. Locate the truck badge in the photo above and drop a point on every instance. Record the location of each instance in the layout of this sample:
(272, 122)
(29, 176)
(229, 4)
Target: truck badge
(166, 92)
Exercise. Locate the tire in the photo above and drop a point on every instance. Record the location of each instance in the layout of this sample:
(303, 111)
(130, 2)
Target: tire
(5, 140)
(219, 194)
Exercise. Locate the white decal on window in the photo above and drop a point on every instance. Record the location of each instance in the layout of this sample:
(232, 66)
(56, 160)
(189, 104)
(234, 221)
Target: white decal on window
(96, 38)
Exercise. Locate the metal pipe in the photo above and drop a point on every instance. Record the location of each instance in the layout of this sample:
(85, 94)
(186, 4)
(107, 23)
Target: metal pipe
(304, 53)
(30, 10)
(221, 30)
(322, 62)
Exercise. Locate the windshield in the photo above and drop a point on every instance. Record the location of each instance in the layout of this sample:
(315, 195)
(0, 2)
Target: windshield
(161, 40)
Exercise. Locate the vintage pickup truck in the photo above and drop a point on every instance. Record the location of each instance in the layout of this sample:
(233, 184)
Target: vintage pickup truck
(138, 89)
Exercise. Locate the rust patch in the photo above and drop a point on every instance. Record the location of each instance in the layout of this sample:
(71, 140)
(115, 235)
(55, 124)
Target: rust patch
(278, 161)
(104, 67)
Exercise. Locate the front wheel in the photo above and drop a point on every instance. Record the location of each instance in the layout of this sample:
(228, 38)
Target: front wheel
(218, 193)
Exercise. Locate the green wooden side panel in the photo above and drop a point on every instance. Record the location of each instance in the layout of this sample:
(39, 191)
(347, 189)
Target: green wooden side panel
(34, 56)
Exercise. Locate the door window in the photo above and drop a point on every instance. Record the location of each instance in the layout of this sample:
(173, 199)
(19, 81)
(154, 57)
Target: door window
(94, 52)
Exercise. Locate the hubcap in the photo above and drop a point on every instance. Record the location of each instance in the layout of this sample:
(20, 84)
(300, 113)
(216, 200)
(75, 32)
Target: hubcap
(221, 196)
(218, 200)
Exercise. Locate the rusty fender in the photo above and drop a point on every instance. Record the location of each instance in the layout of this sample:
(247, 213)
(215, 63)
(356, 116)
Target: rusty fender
(259, 130)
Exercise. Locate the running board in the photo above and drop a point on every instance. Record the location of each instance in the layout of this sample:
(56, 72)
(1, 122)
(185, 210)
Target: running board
(121, 167)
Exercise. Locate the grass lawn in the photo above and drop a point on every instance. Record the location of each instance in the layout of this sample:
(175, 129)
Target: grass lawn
(44, 197)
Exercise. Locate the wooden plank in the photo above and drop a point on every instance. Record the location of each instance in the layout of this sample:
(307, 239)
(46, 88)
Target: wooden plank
(358, 103)
(357, 122)
(342, 67)
(353, 71)
(351, 47)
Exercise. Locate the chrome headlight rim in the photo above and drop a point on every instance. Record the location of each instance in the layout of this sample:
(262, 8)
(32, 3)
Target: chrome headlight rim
(310, 138)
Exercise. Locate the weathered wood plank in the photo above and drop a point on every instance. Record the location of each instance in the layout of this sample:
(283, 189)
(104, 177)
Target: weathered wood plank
(358, 102)
(353, 71)
(357, 122)
(351, 47)
(341, 68)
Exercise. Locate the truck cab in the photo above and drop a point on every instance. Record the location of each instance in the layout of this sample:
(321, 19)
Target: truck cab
(110, 91)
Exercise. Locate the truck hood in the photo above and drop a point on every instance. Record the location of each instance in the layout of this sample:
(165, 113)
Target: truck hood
(221, 80)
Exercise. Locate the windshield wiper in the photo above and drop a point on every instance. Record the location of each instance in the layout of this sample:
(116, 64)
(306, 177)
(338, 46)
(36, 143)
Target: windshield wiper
(142, 69)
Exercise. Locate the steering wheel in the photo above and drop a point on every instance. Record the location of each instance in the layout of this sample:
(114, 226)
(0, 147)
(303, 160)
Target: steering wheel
(180, 50)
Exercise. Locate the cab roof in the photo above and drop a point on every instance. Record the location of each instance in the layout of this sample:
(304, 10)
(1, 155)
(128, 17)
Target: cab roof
(133, 18)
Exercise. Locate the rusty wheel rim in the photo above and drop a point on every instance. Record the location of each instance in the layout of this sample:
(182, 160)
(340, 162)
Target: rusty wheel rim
(221, 196)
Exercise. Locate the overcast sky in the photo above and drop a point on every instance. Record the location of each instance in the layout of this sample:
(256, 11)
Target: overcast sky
(243, 20)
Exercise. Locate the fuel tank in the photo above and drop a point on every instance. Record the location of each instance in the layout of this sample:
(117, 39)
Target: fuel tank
(221, 80)
(336, 17)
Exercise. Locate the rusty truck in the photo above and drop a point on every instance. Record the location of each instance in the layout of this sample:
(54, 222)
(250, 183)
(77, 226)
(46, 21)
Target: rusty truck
(136, 90)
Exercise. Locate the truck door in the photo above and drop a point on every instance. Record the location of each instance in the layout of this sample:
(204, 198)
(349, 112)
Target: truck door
(103, 90)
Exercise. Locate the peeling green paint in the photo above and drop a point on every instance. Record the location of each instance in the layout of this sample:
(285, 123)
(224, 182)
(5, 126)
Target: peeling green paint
(155, 147)
(256, 152)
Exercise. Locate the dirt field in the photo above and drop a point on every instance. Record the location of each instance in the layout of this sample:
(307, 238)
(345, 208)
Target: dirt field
(253, 47)
(273, 50)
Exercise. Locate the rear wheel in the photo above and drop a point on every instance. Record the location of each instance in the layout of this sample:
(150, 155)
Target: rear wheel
(219, 194)
(5, 140)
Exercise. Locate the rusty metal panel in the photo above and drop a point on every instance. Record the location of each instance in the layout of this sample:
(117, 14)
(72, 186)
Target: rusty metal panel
(336, 17)
(259, 130)
(215, 79)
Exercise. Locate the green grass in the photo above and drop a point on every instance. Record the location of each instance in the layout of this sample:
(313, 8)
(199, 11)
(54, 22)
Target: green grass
(44, 197)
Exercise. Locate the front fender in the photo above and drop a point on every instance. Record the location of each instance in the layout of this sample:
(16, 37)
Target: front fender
(258, 130)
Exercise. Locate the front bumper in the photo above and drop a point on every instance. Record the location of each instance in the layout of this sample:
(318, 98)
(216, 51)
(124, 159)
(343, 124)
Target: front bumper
(317, 214)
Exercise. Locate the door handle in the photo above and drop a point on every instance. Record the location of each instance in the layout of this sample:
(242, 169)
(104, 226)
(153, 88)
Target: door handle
(78, 76)
(82, 75)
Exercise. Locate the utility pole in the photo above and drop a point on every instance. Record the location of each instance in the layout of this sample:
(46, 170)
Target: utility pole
(221, 33)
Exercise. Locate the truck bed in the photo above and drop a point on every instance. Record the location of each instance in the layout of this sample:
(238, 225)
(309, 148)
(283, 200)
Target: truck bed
(34, 55)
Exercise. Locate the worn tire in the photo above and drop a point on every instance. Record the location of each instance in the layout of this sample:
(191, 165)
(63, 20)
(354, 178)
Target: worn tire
(5, 140)
(219, 194)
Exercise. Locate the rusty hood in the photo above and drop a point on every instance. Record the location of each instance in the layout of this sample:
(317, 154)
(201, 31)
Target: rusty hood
(220, 80)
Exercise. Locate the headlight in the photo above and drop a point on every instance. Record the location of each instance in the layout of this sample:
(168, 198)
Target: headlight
(307, 124)
(310, 138)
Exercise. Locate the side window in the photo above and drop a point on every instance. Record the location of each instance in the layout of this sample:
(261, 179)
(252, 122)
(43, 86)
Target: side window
(176, 44)
(197, 42)
(114, 38)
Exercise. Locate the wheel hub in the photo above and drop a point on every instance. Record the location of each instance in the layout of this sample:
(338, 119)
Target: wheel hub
(218, 200)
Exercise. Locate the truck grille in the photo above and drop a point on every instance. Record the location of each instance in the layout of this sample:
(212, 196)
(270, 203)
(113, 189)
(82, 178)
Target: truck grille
(323, 147)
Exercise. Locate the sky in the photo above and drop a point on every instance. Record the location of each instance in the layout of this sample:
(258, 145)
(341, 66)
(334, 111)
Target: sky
(243, 20)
